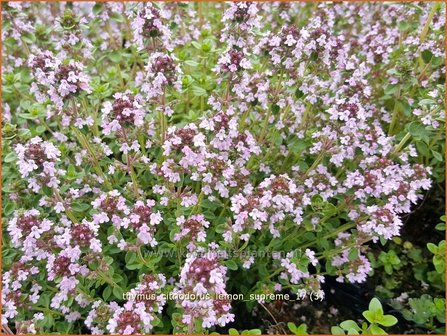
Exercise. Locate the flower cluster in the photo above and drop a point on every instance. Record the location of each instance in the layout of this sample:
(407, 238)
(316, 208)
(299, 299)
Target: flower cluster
(149, 23)
(125, 110)
(56, 79)
(37, 163)
(194, 228)
(161, 71)
(204, 278)
(138, 313)
(270, 203)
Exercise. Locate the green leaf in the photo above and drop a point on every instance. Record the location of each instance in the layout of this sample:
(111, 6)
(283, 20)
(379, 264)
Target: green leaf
(198, 91)
(196, 44)
(106, 293)
(432, 248)
(439, 263)
(353, 255)
(192, 63)
(118, 293)
(130, 257)
(28, 37)
(349, 324)
(207, 204)
(422, 148)
(301, 330)
(71, 172)
(117, 17)
(117, 278)
(9, 209)
(97, 8)
(108, 260)
(134, 266)
(233, 331)
(375, 306)
(437, 156)
(369, 315)
(115, 56)
(299, 94)
(10, 157)
(418, 131)
(376, 330)
(440, 227)
(25, 133)
(231, 265)
(424, 102)
(80, 207)
(422, 309)
(330, 210)
(388, 269)
(291, 326)
(390, 89)
(387, 320)
(297, 145)
(252, 332)
(337, 331)
(427, 56)
(404, 25)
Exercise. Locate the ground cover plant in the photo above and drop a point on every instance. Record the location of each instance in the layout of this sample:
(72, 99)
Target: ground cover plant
(194, 167)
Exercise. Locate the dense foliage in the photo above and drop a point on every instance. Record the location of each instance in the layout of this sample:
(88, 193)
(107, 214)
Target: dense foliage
(158, 157)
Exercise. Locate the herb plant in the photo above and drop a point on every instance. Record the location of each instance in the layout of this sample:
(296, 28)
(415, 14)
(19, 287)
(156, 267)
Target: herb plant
(158, 157)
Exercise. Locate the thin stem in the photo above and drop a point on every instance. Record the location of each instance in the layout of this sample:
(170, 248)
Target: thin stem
(95, 116)
(315, 163)
(162, 117)
(279, 270)
(84, 142)
(286, 112)
(123, 85)
(264, 128)
(424, 31)
(242, 120)
(81, 138)
(331, 234)
(200, 12)
(25, 45)
(273, 317)
(402, 143)
(199, 201)
(132, 176)
(343, 248)
(428, 22)
(108, 279)
(47, 310)
(221, 213)
(7, 330)
(408, 135)
(67, 210)
(140, 255)
(395, 114)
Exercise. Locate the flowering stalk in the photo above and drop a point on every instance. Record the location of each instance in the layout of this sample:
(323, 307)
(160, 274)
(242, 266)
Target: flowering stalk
(395, 113)
(426, 27)
(329, 235)
(67, 210)
(402, 143)
(84, 142)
